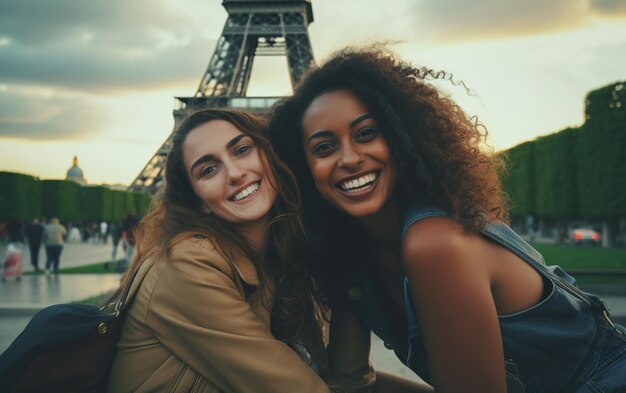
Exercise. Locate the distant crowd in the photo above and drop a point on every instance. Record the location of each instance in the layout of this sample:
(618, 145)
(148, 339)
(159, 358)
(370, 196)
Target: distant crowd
(52, 234)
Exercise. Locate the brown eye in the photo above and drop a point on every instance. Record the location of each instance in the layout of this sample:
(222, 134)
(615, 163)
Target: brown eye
(208, 170)
(323, 148)
(366, 134)
(241, 150)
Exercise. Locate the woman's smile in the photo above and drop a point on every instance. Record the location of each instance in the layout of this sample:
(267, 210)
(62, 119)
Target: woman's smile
(246, 193)
(360, 185)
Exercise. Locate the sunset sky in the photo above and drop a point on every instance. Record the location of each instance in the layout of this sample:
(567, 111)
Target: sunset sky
(97, 78)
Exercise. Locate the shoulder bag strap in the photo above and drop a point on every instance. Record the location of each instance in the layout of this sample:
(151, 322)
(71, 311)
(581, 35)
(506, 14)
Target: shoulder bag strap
(132, 286)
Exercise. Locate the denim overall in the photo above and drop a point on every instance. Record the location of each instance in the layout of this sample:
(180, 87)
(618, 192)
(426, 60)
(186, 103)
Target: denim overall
(565, 343)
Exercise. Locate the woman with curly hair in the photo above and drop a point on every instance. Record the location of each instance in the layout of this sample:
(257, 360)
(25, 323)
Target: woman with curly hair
(408, 204)
(227, 302)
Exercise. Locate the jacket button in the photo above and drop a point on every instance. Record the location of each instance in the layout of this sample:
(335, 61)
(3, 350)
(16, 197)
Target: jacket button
(388, 346)
(103, 328)
(355, 293)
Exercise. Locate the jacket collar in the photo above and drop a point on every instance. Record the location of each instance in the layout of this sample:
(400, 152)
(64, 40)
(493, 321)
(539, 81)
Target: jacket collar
(246, 270)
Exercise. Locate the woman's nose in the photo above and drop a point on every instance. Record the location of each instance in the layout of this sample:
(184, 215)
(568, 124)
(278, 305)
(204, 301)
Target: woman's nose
(235, 174)
(350, 157)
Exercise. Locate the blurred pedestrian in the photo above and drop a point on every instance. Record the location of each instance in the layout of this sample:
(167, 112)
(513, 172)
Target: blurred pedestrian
(115, 232)
(95, 232)
(74, 234)
(34, 235)
(128, 233)
(54, 235)
(104, 232)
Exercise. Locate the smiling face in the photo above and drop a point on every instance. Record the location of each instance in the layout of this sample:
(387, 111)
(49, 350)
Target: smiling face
(228, 172)
(348, 156)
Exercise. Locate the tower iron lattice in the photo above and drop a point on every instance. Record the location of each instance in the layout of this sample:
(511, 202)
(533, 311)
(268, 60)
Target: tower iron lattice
(253, 28)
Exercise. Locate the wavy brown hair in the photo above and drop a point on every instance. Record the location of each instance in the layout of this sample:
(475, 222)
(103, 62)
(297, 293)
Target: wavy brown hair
(177, 214)
(438, 150)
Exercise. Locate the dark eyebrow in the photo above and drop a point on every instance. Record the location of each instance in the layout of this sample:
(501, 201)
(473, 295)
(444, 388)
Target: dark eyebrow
(209, 157)
(322, 134)
(360, 119)
(319, 134)
(202, 160)
(234, 141)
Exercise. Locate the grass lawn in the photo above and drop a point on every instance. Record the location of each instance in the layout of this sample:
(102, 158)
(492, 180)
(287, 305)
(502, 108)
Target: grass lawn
(95, 268)
(581, 257)
(576, 259)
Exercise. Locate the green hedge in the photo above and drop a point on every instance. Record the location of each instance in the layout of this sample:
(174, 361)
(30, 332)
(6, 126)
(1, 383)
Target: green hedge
(23, 197)
(96, 203)
(20, 196)
(519, 182)
(119, 205)
(601, 154)
(555, 191)
(60, 199)
(575, 172)
(142, 202)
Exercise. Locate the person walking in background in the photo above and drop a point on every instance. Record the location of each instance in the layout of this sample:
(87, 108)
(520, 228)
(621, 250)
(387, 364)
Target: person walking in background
(115, 232)
(128, 233)
(54, 235)
(34, 235)
(104, 232)
(12, 260)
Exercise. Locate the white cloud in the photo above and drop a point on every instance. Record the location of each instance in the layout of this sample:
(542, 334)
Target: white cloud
(478, 19)
(114, 46)
(42, 114)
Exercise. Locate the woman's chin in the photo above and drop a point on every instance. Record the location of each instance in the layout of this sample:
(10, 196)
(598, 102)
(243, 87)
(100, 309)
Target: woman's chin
(359, 210)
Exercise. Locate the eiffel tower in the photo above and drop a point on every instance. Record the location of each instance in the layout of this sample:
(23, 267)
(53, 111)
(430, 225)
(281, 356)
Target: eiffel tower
(253, 28)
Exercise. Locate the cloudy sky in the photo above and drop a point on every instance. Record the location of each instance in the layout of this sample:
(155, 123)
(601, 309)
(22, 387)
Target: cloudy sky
(97, 78)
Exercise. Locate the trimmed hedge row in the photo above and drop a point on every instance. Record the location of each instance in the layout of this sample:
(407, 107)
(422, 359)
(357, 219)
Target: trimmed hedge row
(602, 147)
(20, 196)
(556, 193)
(577, 172)
(23, 197)
(519, 182)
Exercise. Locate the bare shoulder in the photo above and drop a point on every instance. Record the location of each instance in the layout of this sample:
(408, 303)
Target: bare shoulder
(433, 236)
(438, 243)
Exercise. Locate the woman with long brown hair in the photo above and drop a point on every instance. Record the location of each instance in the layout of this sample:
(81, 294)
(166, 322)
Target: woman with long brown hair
(397, 180)
(229, 301)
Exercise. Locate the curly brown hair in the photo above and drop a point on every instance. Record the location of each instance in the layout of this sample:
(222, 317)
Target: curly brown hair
(177, 214)
(438, 150)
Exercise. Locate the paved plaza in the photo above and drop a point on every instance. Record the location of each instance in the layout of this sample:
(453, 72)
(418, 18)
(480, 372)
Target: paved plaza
(19, 300)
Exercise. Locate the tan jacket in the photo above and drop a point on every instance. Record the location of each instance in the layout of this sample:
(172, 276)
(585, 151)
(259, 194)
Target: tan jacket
(54, 234)
(190, 328)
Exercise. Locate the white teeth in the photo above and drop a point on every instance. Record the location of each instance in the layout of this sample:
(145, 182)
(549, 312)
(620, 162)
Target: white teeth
(251, 189)
(359, 183)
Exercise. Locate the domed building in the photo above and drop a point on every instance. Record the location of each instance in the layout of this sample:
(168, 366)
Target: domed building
(75, 174)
